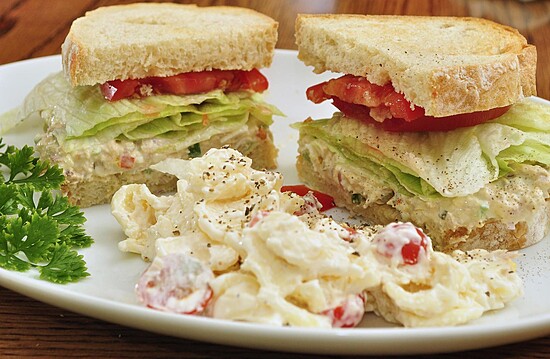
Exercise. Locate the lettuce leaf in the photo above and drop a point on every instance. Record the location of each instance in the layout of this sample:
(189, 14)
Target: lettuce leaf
(450, 164)
(85, 113)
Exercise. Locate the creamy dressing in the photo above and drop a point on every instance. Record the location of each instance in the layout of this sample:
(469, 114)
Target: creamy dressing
(510, 199)
(505, 199)
(236, 247)
(82, 158)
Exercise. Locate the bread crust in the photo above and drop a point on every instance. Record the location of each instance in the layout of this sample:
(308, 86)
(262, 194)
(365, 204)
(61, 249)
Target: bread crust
(163, 39)
(446, 65)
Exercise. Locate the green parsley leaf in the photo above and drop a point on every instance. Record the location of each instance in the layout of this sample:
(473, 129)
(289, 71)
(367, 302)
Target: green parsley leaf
(69, 218)
(25, 168)
(11, 228)
(38, 226)
(66, 265)
(33, 237)
(8, 201)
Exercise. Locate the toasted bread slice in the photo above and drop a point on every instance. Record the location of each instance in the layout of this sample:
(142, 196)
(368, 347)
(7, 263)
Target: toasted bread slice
(446, 65)
(141, 40)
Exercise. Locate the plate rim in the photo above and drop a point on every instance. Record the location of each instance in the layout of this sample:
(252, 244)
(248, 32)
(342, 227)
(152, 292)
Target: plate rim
(361, 340)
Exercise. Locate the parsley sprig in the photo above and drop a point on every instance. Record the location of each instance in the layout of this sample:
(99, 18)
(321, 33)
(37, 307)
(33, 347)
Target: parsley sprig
(38, 227)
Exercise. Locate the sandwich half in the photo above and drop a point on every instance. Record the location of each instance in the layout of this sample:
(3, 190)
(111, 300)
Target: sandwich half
(144, 82)
(434, 126)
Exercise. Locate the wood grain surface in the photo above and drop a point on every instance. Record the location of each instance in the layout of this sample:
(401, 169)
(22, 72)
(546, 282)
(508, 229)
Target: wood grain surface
(34, 28)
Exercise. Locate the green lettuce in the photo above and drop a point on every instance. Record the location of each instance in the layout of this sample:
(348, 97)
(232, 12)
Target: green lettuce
(84, 112)
(428, 164)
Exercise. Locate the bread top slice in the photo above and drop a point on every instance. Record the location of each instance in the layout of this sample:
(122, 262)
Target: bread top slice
(447, 65)
(162, 39)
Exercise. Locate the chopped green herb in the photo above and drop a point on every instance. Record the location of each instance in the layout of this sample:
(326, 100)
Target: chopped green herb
(357, 198)
(38, 227)
(195, 150)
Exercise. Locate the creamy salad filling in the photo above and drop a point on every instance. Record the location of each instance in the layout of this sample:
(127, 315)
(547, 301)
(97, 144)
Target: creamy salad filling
(447, 182)
(441, 164)
(511, 199)
(88, 135)
(104, 158)
(229, 244)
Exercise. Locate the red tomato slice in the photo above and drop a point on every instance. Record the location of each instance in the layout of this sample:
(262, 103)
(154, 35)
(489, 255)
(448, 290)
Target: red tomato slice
(248, 80)
(352, 110)
(188, 83)
(326, 201)
(424, 123)
(358, 90)
(401, 108)
(117, 89)
(355, 96)
(317, 94)
(448, 123)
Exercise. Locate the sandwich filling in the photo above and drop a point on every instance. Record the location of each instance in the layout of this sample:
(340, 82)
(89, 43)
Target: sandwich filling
(186, 84)
(445, 181)
(88, 135)
(358, 98)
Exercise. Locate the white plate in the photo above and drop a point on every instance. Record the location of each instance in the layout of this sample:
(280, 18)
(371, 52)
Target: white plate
(108, 293)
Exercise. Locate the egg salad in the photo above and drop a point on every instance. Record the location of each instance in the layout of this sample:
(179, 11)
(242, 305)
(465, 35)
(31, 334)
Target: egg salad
(230, 244)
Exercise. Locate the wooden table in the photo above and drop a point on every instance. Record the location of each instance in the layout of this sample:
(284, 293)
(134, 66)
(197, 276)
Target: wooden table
(34, 28)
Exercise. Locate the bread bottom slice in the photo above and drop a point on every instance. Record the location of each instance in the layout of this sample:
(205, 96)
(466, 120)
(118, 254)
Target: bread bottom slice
(88, 189)
(451, 223)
